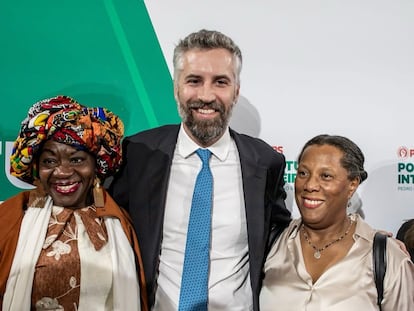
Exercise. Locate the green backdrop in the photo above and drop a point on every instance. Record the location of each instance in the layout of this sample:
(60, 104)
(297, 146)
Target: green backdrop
(102, 53)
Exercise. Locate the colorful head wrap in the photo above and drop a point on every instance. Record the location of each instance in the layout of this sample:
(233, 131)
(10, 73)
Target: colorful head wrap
(64, 120)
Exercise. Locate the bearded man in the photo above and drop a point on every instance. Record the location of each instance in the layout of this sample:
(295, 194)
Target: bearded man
(246, 202)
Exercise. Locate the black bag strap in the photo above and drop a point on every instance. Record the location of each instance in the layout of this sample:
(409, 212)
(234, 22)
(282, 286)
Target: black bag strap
(380, 264)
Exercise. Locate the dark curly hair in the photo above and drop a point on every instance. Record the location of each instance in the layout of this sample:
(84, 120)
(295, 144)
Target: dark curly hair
(353, 159)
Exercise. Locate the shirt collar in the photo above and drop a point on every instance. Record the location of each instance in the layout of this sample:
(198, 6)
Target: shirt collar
(186, 146)
(361, 229)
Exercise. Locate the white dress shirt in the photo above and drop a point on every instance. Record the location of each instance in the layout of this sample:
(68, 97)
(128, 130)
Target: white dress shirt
(229, 279)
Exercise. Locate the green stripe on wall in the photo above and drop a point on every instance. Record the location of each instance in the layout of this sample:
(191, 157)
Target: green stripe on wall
(102, 53)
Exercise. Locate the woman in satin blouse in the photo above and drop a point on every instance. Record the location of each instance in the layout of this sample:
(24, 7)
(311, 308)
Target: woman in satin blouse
(323, 261)
(66, 245)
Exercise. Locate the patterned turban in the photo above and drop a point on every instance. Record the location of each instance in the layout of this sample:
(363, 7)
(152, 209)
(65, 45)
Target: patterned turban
(64, 120)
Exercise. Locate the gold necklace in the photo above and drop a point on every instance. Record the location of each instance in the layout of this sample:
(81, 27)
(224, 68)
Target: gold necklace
(318, 251)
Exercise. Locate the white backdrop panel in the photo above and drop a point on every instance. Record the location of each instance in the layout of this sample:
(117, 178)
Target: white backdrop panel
(311, 67)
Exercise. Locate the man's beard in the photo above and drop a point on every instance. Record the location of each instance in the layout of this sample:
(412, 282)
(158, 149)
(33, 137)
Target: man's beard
(205, 131)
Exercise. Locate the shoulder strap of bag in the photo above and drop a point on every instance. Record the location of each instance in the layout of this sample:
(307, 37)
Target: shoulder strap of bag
(380, 264)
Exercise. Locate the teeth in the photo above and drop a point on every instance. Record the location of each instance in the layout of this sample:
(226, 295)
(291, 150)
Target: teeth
(206, 111)
(312, 202)
(65, 188)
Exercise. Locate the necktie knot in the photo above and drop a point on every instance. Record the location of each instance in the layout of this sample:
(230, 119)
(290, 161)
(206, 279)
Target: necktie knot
(204, 155)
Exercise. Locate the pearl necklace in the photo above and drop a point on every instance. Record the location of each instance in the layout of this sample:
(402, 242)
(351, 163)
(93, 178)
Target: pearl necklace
(318, 251)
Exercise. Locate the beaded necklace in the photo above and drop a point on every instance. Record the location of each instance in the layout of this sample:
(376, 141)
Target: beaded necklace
(318, 251)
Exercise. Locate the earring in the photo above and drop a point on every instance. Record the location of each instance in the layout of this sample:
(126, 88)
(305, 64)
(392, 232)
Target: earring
(98, 195)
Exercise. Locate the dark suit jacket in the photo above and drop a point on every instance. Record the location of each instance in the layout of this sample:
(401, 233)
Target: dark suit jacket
(141, 187)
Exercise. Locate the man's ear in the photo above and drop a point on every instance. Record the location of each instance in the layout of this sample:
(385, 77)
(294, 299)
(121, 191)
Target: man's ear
(236, 94)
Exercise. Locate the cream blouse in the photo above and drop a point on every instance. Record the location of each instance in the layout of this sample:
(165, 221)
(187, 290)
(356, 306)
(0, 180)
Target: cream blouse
(347, 285)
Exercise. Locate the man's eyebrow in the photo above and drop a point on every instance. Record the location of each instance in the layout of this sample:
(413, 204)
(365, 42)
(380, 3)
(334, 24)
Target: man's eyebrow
(192, 75)
(223, 76)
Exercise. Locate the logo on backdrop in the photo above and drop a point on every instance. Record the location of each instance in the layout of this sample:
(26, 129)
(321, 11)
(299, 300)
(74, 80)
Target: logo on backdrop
(290, 170)
(404, 152)
(7, 178)
(405, 168)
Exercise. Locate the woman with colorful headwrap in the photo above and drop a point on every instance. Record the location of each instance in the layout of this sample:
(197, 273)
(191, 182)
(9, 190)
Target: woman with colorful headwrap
(66, 245)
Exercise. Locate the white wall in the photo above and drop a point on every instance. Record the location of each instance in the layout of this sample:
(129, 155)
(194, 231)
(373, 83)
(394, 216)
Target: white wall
(310, 67)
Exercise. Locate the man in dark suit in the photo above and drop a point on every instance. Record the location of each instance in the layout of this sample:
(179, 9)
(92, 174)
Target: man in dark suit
(159, 171)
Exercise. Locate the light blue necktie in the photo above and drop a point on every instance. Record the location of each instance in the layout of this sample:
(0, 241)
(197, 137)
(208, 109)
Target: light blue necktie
(194, 281)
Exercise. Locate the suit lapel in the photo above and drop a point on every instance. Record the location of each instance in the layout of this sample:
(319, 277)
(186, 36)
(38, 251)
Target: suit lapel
(157, 159)
(159, 167)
